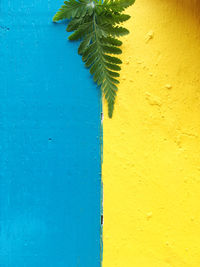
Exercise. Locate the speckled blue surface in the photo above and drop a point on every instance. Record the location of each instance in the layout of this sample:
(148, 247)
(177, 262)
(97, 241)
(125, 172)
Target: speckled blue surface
(50, 160)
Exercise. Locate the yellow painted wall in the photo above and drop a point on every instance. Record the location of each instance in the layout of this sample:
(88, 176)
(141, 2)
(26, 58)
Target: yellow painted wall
(151, 169)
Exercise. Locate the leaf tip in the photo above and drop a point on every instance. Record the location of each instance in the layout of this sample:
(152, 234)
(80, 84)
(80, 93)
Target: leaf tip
(55, 19)
(110, 111)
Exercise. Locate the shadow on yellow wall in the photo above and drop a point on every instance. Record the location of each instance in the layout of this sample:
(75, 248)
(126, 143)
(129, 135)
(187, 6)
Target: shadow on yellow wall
(190, 6)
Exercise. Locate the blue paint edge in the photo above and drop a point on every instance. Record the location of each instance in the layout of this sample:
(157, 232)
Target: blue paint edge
(101, 196)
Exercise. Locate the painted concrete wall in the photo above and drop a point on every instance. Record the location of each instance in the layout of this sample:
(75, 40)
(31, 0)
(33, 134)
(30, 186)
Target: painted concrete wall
(151, 168)
(50, 158)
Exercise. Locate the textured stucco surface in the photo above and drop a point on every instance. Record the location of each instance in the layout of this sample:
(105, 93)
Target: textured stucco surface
(151, 168)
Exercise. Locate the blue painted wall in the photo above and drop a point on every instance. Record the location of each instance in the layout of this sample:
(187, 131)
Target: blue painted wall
(49, 143)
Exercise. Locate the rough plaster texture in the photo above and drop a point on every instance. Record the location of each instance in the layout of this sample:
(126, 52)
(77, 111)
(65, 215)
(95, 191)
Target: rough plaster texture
(151, 168)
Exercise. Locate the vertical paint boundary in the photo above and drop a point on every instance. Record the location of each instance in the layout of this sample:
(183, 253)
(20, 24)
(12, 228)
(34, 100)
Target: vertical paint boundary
(101, 190)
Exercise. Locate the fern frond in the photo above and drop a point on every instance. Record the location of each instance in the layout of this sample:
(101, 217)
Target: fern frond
(103, 67)
(97, 24)
(82, 30)
(113, 18)
(112, 59)
(111, 41)
(117, 5)
(75, 23)
(111, 49)
(84, 43)
(116, 30)
(71, 9)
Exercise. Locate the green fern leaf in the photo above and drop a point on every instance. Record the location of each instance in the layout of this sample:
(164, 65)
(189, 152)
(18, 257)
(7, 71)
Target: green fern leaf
(84, 44)
(112, 59)
(97, 24)
(113, 18)
(120, 18)
(113, 66)
(117, 5)
(111, 41)
(81, 31)
(91, 60)
(75, 23)
(116, 31)
(111, 49)
(71, 9)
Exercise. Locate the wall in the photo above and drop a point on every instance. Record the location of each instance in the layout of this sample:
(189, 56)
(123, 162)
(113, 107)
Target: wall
(50, 158)
(151, 168)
